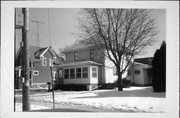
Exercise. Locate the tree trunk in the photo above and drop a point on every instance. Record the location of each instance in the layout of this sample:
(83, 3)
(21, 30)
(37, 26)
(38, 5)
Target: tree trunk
(119, 81)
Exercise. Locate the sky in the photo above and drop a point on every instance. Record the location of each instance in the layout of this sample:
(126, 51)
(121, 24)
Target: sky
(62, 23)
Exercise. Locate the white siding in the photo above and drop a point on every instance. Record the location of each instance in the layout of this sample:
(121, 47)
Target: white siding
(110, 78)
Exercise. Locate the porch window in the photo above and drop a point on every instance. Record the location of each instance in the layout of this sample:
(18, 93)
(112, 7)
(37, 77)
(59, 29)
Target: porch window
(60, 73)
(78, 72)
(72, 73)
(66, 73)
(85, 72)
(44, 61)
(94, 72)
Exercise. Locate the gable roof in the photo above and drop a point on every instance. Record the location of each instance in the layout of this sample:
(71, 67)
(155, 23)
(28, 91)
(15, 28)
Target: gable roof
(36, 52)
(78, 46)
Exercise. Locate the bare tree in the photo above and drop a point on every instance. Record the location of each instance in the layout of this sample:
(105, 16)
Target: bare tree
(123, 33)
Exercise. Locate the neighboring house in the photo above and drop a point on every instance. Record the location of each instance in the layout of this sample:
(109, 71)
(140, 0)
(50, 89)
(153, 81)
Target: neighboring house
(86, 66)
(139, 72)
(40, 61)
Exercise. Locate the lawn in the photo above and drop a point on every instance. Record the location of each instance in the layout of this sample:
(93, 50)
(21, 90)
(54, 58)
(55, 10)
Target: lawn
(133, 99)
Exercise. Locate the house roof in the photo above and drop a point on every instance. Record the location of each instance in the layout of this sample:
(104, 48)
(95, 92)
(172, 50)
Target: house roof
(77, 46)
(145, 65)
(36, 52)
(79, 63)
(147, 60)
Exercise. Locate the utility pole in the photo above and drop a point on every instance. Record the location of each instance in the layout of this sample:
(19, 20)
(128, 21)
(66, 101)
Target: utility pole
(53, 79)
(25, 33)
(37, 22)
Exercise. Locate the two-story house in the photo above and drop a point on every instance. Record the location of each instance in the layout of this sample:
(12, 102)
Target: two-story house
(86, 66)
(40, 63)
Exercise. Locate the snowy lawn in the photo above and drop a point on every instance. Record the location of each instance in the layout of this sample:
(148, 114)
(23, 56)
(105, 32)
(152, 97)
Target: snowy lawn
(33, 107)
(133, 99)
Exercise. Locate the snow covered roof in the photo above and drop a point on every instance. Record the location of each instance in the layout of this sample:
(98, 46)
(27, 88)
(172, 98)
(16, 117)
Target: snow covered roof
(79, 63)
(77, 46)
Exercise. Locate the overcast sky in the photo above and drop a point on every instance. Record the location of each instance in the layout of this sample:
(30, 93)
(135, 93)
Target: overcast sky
(63, 23)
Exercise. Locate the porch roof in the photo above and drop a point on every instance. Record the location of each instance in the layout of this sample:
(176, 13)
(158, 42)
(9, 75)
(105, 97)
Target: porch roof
(144, 65)
(79, 63)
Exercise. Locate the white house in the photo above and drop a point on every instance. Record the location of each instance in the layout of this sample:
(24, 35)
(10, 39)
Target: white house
(86, 66)
(139, 72)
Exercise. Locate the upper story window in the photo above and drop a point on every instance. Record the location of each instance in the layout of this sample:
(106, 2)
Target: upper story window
(51, 62)
(75, 56)
(91, 54)
(44, 61)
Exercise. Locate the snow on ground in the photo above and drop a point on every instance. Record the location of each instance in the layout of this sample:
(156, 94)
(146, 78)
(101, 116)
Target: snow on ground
(33, 107)
(133, 99)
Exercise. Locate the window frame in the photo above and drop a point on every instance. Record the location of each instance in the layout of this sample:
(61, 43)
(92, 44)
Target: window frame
(94, 72)
(92, 54)
(80, 73)
(70, 74)
(44, 61)
(66, 73)
(86, 72)
(60, 73)
(75, 55)
(51, 61)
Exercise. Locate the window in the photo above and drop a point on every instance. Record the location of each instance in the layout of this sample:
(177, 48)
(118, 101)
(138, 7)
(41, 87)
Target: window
(72, 73)
(51, 62)
(44, 61)
(75, 56)
(137, 71)
(78, 72)
(91, 54)
(35, 72)
(60, 73)
(85, 72)
(31, 64)
(114, 71)
(94, 72)
(66, 73)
